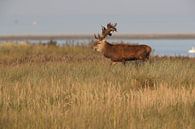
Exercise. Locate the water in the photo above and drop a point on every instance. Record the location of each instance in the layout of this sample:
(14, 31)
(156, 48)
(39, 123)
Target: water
(172, 47)
(160, 47)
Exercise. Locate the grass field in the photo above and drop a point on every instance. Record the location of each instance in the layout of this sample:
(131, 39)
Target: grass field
(74, 87)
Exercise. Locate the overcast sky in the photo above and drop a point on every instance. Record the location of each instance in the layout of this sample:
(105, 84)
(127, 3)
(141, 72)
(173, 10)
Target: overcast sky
(77, 16)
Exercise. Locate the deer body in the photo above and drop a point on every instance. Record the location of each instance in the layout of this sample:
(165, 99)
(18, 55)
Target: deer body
(123, 52)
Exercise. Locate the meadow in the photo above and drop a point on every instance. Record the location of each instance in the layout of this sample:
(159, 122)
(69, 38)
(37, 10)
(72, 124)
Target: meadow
(74, 87)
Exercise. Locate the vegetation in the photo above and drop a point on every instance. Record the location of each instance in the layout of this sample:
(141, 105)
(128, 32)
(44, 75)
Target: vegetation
(74, 87)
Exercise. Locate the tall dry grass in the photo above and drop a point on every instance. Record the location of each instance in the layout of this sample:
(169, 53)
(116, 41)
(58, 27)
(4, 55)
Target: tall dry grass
(73, 87)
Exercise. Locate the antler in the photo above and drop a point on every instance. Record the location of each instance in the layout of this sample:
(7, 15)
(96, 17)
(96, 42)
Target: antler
(107, 31)
(112, 26)
(99, 37)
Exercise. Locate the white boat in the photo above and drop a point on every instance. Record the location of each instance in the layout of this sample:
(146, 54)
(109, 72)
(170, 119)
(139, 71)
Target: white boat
(192, 50)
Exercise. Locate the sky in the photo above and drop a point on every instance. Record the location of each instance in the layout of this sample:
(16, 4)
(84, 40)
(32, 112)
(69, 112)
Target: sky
(87, 16)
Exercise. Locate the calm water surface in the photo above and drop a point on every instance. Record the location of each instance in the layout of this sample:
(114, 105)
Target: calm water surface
(160, 47)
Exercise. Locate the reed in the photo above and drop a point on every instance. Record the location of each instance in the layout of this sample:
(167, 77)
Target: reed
(73, 87)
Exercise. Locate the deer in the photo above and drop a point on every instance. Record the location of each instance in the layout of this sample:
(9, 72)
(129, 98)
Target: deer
(119, 52)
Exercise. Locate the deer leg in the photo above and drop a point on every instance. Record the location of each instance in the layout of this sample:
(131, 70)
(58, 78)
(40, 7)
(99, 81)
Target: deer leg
(112, 63)
(124, 63)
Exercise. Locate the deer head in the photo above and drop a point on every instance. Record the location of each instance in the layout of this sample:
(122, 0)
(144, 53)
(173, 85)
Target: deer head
(99, 43)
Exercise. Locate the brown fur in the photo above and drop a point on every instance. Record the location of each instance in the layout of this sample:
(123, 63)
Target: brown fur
(123, 52)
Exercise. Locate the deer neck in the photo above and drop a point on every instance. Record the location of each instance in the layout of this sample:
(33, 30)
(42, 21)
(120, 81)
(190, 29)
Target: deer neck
(102, 46)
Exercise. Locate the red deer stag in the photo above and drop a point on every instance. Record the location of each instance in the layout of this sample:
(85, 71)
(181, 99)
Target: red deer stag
(119, 52)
